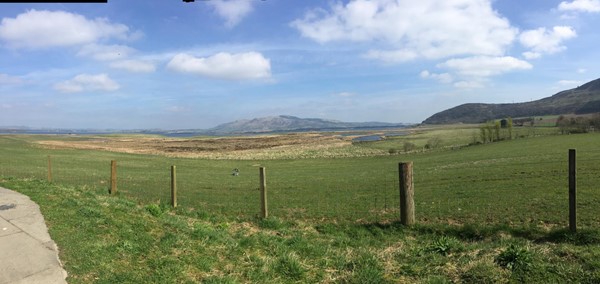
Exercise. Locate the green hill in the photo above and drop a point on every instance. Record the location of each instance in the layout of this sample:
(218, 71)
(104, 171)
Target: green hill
(580, 100)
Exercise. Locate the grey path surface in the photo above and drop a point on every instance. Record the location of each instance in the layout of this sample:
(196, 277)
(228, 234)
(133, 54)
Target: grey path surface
(27, 254)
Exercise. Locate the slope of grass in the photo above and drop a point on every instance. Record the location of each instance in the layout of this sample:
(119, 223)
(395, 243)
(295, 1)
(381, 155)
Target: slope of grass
(105, 239)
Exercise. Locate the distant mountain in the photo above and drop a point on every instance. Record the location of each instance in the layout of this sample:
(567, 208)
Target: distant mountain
(283, 123)
(580, 100)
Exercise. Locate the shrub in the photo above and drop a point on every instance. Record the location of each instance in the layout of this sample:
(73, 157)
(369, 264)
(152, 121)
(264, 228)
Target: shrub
(575, 124)
(433, 143)
(408, 146)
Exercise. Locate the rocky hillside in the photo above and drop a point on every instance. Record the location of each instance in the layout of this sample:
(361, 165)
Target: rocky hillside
(580, 100)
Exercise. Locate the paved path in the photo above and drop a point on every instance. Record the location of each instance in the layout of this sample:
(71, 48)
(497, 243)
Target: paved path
(27, 254)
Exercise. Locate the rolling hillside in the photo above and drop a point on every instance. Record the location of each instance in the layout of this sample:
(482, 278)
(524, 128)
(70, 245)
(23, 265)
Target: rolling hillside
(580, 100)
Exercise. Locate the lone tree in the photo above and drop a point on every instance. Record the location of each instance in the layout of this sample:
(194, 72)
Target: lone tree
(509, 126)
(490, 132)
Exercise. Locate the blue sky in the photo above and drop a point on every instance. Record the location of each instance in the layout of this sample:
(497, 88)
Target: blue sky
(164, 64)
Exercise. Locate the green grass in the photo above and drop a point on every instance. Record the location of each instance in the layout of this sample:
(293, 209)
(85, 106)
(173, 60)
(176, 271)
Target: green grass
(490, 213)
(107, 239)
(452, 136)
(449, 136)
(517, 182)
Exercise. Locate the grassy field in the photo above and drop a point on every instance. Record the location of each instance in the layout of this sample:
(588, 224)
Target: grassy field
(523, 181)
(103, 239)
(448, 136)
(488, 213)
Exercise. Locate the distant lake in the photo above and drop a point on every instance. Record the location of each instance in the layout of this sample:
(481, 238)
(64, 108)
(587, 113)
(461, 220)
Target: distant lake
(371, 138)
(181, 134)
(368, 138)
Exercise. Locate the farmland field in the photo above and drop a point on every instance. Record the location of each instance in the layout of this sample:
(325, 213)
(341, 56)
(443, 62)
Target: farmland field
(486, 213)
(522, 181)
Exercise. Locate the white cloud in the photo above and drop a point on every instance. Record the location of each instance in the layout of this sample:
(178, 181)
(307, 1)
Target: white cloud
(137, 66)
(86, 82)
(6, 79)
(41, 29)
(407, 29)
(233, 11)
(581, 70)
(106, 52)
(442, 78)
(227, 66)
(591, 6)
(542, 41)
(484, 66)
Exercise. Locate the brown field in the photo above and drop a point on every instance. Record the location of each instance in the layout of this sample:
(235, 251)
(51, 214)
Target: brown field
(295, 145)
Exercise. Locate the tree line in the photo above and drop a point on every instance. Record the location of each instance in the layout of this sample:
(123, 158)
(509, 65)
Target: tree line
(578, 124)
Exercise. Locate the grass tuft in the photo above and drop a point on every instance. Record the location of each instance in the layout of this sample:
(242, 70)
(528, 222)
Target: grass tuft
(515, 257)
(289, 266)
(445, 245)
(154, 210)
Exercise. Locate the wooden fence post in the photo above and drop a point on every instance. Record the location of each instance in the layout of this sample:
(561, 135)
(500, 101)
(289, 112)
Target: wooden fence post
(407, 203)
(113, 177)
(49, 169)
(173, 187)
(264, 212)
(572, 190)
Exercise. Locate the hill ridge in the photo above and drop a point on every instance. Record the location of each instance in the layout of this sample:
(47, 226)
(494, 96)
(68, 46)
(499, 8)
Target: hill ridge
(581, 100)
(282, 123)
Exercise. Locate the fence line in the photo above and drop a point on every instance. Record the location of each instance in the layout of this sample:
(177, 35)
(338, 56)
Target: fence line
(342, 192)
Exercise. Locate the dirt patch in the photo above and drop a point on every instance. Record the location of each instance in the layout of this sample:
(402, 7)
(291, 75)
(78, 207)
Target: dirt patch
(255, 147)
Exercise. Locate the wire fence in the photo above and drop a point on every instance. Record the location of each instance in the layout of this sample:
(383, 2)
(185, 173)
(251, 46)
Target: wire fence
(510, 192)
(503, 190)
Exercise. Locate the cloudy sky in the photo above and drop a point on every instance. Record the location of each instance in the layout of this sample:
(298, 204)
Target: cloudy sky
(174, 65)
